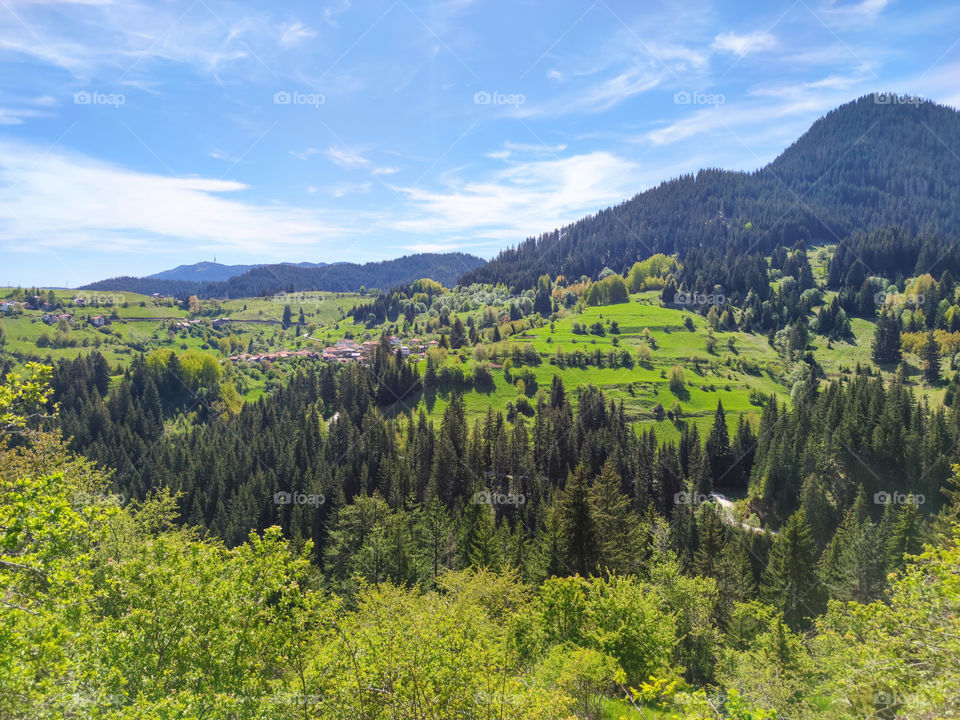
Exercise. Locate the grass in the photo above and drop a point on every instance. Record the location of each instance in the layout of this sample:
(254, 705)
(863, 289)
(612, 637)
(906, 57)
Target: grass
(731, 373)
(618, 710)
(643, 387)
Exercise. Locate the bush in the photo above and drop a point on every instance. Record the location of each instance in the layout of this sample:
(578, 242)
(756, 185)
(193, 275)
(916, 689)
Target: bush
(676, 377)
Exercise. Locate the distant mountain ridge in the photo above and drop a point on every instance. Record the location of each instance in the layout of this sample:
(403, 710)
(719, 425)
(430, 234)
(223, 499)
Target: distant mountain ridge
(882, 160)
(214, 271)
(257, 280)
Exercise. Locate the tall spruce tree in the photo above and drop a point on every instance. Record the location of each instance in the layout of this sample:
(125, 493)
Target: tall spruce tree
(790, 581)
(931, 360)
(616, 527)
(719, 454)
(886, 340)
(578, 530)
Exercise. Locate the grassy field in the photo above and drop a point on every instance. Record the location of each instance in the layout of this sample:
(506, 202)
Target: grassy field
(709, 377)
(738, 369)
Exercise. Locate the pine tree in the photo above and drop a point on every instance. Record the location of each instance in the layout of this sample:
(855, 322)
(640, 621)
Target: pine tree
(437, 530)
(719, 454)
(458, 334)
(790, 582)
(906, 537)
(483, 539)
(614, 522)
(931, 360)
(711, 537)
(886, 340)
(577, 527)
(287, 317)
(744, 449)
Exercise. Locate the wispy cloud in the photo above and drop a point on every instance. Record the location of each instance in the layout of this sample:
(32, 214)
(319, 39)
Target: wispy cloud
(521, 200)
(346, 157)
(304, 154)
(294, 33)
(744, 44)
(856, 12)
(598, 97)
(65, 200)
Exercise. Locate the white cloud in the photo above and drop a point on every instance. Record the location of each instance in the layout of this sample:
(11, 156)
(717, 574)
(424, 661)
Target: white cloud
(346, 157)
(744, 44)
(804, 106)
(295, 33)
(386, 170)
(599, 97)
(304, 154)
(865, 10)
(343, 189)
(16, 116)
(330, 12)
(70, 201)
(86, 37)
(527, 147)
(521, 200)
(433, 247)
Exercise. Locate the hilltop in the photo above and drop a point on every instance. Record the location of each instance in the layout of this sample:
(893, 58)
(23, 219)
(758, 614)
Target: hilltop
(258, 280)
(877, 161)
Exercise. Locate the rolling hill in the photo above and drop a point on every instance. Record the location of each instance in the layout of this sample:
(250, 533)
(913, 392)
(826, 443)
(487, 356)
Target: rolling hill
(445, 268)
(869, 164)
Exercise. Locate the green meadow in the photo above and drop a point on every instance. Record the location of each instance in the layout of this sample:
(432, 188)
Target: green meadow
(736, 370)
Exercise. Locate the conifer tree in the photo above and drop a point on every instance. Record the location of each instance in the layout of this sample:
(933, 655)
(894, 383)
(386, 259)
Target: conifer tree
(886, 340)
(931, 360)
(711, 538)
(719, 454)
(790, 582)
(906, 536)
(614, 522)
(483, 539)
(577, 526)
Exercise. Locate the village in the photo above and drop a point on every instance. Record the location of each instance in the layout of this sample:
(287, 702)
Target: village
(346, 350)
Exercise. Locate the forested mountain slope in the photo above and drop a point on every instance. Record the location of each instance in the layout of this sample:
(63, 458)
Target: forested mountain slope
(864, 166)
(445, 268)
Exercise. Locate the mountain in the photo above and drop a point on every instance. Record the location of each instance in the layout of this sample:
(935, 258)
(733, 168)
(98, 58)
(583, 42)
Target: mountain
(445, 268)
(215, 272)
(879, 161)
(201, 272)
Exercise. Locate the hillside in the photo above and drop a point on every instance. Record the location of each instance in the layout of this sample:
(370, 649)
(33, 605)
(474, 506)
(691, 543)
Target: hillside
(216, 272)
(864, 166)
(445, 268)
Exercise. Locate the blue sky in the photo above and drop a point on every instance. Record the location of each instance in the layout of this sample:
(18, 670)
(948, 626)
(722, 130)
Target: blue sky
(138, 136)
